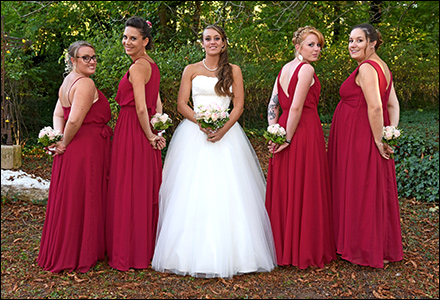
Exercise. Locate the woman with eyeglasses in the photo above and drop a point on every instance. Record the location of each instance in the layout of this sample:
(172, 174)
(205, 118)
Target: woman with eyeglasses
(136, 163)
(73, 234)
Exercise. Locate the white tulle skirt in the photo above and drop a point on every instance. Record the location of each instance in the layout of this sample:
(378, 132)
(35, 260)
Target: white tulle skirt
(212, 216)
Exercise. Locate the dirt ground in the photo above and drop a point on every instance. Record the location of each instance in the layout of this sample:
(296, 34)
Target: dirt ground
(417, 276)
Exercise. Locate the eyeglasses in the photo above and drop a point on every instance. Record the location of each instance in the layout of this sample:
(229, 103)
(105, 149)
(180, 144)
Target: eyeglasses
(88, 58)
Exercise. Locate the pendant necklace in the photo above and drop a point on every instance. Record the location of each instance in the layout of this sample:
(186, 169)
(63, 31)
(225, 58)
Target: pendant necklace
(212, 70)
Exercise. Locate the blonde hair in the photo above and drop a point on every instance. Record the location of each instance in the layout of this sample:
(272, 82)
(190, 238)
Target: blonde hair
(300, 35)
(73, 51)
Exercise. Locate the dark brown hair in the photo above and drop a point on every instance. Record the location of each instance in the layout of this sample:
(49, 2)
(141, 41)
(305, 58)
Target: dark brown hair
(372, 34)
(143, 28)
(224, 72)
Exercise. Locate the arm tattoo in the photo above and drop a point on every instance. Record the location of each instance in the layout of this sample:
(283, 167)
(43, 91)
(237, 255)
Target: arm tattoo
(273, 104)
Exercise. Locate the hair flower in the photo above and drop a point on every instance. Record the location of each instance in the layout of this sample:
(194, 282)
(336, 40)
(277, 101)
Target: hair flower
(149, 23)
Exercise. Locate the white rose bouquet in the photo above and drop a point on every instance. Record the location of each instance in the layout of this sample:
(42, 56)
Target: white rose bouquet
(390, 136)
(211, 116)
(161, 122)
(276, 134)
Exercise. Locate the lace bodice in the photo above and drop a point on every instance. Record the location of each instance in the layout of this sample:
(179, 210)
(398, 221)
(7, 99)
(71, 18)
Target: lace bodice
(203, 92)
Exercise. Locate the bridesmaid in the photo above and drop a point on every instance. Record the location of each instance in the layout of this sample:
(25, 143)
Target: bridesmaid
(298, 183)
(73, 234)
(364, 189)
(136, 163)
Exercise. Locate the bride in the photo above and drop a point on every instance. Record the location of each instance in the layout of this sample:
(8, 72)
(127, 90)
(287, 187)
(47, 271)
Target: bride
(212, 216)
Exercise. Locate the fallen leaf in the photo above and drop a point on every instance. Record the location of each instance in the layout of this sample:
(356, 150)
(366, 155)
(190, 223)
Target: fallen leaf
(79, 280)
(377, 295)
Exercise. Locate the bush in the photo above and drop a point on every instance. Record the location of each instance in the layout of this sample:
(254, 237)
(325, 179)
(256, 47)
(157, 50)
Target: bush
(417, 156)
(419, 177)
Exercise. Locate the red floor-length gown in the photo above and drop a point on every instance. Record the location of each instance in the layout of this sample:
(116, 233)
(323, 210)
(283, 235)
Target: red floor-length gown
(73, 234)
(135, 178)
(298, 187)
(364, 189)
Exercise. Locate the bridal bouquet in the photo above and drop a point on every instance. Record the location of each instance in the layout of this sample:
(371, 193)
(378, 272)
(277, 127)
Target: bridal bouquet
(390, 136)
(211, 116)
(276, 134)
(160, 122)
(49, 136)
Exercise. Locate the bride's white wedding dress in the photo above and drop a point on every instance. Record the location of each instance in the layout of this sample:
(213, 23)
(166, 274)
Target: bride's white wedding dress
(212, 216)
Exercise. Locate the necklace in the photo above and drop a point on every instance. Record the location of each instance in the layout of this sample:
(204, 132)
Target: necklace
(212, 70)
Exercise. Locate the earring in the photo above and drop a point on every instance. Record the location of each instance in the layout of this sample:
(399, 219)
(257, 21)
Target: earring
(300, 57)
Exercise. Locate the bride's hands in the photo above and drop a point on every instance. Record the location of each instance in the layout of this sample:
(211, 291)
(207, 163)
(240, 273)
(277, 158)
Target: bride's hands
(205, 130)
(215, 136)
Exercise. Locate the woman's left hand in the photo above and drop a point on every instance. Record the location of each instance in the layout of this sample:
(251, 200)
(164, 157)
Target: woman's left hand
(58, 148)
(215, 136)
(158, 142)
(281, 148)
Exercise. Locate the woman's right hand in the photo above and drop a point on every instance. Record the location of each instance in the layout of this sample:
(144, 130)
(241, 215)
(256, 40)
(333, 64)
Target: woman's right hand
(205, 130)
(280, 148)
(158, 142)
(57, 148)
(384, 149)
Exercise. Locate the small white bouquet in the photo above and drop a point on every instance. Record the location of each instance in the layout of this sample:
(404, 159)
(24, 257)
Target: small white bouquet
(211, 116)
(276, 134)
(390, 136)
(161, 122)
(49, 136)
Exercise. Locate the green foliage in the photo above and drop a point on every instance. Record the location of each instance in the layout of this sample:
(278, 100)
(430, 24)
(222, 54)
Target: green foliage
(417, 156)
(259, 34)
(419, 177)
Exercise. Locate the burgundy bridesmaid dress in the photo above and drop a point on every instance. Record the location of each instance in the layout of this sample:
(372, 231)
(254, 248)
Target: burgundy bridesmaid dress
(298, 187)
(135, 178)
(73, 234)
(364, 189)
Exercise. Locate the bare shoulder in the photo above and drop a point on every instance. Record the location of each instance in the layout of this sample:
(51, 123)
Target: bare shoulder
(85, 83)
(236, 72)
(140, 65)
(192, 70)
(307, 70)
(235, 68)
(366, 69)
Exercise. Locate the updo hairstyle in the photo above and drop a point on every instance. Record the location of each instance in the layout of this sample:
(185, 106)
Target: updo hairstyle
(300, 35)
(143, 28)
(372, 34)
(72, 51)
